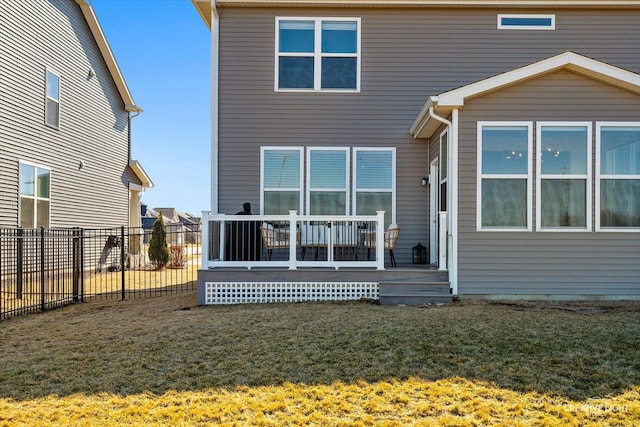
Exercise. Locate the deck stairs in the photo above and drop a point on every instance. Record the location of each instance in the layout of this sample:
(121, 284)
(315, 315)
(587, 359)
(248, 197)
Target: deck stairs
(425, 287)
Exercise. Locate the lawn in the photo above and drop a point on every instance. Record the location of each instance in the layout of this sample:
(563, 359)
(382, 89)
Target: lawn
(166, 361)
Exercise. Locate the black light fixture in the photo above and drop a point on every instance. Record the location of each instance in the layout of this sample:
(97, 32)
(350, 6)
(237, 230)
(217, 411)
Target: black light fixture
(419, 254)
(424, 181)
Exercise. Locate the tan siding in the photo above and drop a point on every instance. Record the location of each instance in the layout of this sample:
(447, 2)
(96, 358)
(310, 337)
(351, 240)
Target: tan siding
(582, 263)
(35, 35)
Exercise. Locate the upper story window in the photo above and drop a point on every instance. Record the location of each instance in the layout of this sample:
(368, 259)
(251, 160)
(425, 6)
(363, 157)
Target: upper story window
(52, 104)
(317, 54)
(35, 183)
(618, 176)
(526, 22)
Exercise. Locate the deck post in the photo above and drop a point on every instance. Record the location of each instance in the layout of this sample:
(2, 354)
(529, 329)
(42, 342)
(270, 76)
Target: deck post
(442, 241)
(380, 240)
(293, 241)
(204, 239)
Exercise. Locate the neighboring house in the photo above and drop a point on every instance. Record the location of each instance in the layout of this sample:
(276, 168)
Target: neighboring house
(522, 117)
(65, 117)
(181, 227)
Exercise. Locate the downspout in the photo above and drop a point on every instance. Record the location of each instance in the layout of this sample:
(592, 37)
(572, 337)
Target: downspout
(452, 217)
(136, 110)
(215, 52)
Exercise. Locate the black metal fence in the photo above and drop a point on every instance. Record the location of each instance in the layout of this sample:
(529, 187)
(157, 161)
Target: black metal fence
(41, 269)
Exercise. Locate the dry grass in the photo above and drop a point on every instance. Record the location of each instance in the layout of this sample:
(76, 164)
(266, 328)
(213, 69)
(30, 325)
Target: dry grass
(166, 361)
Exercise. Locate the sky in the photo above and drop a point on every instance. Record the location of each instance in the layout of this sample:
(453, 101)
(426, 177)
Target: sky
(163, 50)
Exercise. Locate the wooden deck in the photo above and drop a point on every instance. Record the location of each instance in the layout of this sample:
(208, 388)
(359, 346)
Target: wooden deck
(404, 284)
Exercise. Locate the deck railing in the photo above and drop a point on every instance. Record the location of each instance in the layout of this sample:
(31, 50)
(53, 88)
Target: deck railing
(293, 241)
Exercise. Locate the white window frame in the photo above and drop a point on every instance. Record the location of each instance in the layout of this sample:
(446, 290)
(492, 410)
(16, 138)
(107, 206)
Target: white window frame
(587, 177)
(300, 189)
(317, 53)
(528, 176)
(35, 197)
(346, 188)
(375, 190)
(599, 177)
(47, 98)
(551, 27)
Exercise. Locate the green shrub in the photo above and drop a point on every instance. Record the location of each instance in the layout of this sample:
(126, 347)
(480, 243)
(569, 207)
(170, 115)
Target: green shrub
(158, 248)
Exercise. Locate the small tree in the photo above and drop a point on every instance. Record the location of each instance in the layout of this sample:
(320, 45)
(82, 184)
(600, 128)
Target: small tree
(158, 249)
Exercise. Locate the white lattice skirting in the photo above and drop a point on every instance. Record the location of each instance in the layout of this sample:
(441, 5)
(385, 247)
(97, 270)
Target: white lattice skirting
(257, 292)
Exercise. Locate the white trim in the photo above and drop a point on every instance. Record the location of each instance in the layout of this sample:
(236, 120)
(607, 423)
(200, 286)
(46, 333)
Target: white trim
(501, 25)
(434, 172)
(599, 177)
(301, 174)
(587, 177)
(35, 197)
(346, 188)
(453, 192)
(393, 179)
(528, 176)
(317, 53)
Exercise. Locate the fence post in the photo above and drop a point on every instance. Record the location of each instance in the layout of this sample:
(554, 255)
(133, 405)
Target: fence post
(81, 266)
(122, 257)
(19, 251)
(76, 264)
(42, 305)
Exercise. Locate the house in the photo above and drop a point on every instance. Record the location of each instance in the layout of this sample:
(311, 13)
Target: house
(505, 136)
(65, 119)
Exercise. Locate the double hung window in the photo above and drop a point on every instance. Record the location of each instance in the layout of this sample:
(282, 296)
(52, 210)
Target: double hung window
(327, 181)
(317, 54)
(504, 184)
(618, 176)
(52, 102)
(281, 180)
(564, 179)
(35, 182)
(374, 181)
(338, 181)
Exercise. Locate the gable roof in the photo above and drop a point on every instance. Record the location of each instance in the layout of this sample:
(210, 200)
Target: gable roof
(444, 103)
(107, 55)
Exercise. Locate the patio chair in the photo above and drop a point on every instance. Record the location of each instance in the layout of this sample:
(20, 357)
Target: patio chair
(390, 240)
(274, 238)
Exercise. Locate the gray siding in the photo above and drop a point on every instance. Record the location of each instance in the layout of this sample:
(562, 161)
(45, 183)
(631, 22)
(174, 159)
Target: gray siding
(544, 263)
(40, 34)
(407, 55)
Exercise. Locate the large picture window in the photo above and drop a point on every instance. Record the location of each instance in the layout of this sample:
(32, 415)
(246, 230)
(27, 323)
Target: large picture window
(317, 54)
(374, 181)
(35, 183)
(281, 180)
(52, 103)
(327, 181)
(564, 178)
(504, 183)
(618, 176)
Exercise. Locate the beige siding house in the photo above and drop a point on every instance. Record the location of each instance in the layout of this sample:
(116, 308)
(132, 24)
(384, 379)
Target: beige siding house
(506, 137)
(65, 117)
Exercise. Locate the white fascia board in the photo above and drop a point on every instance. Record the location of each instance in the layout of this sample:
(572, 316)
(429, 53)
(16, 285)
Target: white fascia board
(107, 55)
(141, 173)
(420, 121)
(431, 3)
(569, 60)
